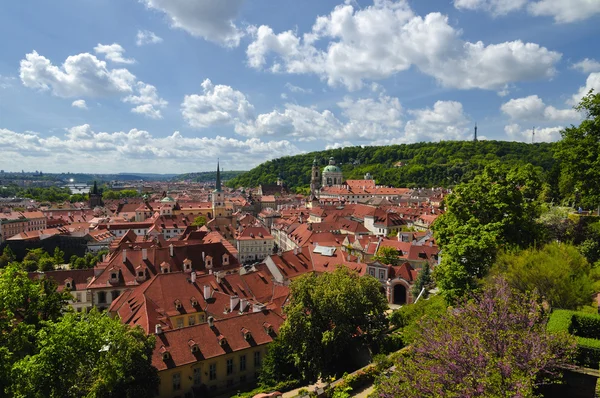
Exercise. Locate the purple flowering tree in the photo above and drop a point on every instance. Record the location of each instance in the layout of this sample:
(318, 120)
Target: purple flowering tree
(494, 345)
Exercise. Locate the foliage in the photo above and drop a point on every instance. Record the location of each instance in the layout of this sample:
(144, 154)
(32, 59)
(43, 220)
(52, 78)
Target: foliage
(266, 388)
(199, 221)
(46, 194)
(579, 154)
(329, 317)
(558, 272)
(207, 176)
(424, 164)
(94, 355)
(588, 348)
(497, 208)
(355, 381)
(88, 261)
(494, 345)
(6, 257)
(424, 279)
(407, 317)
(126, 193)
(387, 255)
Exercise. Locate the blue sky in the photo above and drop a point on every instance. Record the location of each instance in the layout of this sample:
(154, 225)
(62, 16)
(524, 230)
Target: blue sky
(172, 85)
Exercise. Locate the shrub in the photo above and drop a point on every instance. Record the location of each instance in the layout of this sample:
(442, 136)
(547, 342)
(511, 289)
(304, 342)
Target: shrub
(585, 325)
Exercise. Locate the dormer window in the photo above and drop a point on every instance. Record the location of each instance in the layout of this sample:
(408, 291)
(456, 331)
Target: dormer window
(193, 346)
(225, 259)
(246, 333)
(268, 328)
(193, 301)
(178, 304)
(222, 340)
(140, 274)
(166, 356)
(187, 265)
(113, 275)
(209, 262)
(68, 285)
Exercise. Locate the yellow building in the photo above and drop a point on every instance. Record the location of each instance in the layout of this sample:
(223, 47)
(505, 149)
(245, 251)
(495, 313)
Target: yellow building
(213, 357)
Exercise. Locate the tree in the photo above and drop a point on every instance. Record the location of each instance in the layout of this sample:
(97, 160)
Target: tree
(424, 279)
(497, 208)
(58, 256)
(7, 257)
(387, 255)
(558, 272)
(579, 155)
(495, 345)
(199, 221)
(329, 318)
(95, 356)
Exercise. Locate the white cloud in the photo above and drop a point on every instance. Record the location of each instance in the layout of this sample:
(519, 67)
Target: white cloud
(385, 110)
(6, 81)
(296, 89)
(565, 11)
(532, 108)
(217, 105)
(386, 38)
(587, 66)
(592, 83)
(79, 104)
(548, 134)
(148, 101)
(495, 7)
(144, 37)
(137, 149)
(209, 19)
(445, 121)
(81, 75)
(337, 145)
(114, 53)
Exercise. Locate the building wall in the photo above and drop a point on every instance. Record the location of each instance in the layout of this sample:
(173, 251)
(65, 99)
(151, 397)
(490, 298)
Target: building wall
(184, 320)
(254, 249)
(222, 382)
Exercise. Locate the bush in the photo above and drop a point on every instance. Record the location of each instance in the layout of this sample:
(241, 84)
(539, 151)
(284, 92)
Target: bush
(585, 325)
(391, 343)
(281, 387)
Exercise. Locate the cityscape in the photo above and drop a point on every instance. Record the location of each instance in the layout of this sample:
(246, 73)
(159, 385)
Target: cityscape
(372, 198)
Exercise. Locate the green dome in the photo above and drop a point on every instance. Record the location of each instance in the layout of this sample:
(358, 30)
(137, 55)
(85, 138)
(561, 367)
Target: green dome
(332, 169)
(167, 199)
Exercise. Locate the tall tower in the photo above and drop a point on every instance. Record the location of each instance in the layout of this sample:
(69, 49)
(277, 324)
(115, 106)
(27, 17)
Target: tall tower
(315, 179)
(475, 137)
(218, 201)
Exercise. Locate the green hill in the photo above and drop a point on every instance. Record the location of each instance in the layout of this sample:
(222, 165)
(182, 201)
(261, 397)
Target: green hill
(206, 176)
(422, 165)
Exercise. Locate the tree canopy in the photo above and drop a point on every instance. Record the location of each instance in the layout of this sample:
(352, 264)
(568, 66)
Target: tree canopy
(329, 318)
(495, 345)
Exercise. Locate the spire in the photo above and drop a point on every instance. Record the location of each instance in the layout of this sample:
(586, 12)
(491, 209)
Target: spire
(218, 184)
(475, 137)
(95, 189)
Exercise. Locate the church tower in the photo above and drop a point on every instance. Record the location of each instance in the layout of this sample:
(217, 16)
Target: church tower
(218, 199)
(315, 179)
(95, 197)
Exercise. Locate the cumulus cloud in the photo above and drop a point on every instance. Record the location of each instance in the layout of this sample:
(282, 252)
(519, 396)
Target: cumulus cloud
(144, 37)
(296, 89)
(587, 66)
(548, 134)
(138, 149)
(338, 145)
(209, 19)
(79, 104)
(386, 38)
(114, 53)
(533, 108)
(81, 75)
(592, 83)
(562, 11)
(217, 105)
(445, 121)
(148, 101)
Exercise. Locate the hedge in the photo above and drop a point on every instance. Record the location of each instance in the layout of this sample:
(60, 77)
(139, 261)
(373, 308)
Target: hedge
(281, 387)
(584, 327)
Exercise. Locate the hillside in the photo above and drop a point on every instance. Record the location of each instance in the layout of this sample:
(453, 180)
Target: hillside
(422, 164)
(206, 176)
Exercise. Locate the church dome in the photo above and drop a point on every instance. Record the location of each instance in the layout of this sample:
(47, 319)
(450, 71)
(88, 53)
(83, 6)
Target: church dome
(167, 199)
(332, 169)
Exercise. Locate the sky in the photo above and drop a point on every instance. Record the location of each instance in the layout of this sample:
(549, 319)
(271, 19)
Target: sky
(170, 86)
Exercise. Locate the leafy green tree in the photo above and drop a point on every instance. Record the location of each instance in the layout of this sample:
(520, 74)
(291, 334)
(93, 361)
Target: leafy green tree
(495, 345)
(7, 257)
(579, 155)
(199, 221)
(329, 317)
(89, 355)
(46, 264)
(424, 279)
(387, 255)
(58, 257)
(558, 272)
(498, 207)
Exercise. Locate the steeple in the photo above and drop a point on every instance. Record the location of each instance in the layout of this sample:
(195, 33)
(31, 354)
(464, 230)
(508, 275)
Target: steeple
(95, 189)
(475, 137)
(218, 184)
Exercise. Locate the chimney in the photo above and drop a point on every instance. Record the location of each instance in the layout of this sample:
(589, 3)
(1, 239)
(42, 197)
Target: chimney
(206, 292)
(243, 305)
(144, 254)
(124, 255)
(233, 302)
(211, 321)
(171, 252)
(158, 329)
(193, 277)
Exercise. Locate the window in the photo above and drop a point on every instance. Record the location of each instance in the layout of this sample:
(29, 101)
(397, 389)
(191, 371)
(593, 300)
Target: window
(78, 297)
(176, 381)
(257, 358)
(230, 366)
(197, 376)
(381, 274)
(179, 323)
(372, 272)
(192, 320)
(102, 297)
(212, 371)
(242, 363)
